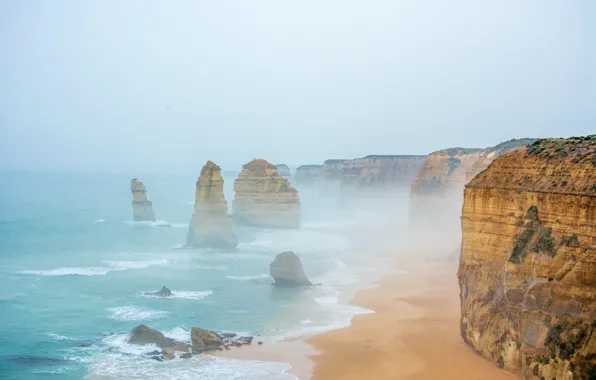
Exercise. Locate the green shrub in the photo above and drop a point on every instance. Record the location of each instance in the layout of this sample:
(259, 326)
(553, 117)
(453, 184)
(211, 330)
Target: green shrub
(544, 242)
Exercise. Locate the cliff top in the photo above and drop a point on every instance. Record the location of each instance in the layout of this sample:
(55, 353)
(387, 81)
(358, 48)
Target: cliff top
(312, 166)
(335, 161)
(284, 166)
(577, 149)
(395, 156)
(513, 144)
(458, 151)
(259, 163)
(548, 165)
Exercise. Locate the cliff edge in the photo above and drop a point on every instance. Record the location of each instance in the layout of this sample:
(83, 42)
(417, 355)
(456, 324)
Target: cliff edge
(527, 271)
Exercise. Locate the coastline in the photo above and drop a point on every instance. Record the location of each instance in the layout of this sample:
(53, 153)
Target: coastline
(412, 334)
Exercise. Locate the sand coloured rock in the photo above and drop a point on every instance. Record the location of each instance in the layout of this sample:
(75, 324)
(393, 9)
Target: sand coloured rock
(527, 271)
(263, 198)
(210, 225)
(142, 209)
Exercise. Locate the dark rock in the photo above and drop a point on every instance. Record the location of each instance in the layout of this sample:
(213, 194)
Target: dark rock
(164, 292)
(204, 340)
(227, 335)
(260, 343)
(144, 335)
(186, 355)
(286, 269)
(35, 360)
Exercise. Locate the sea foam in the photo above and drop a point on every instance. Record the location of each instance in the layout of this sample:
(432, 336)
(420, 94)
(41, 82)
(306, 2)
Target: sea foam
(134, 313)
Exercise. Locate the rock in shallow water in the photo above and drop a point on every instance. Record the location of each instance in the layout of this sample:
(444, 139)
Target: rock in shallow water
(286, 269)
(142, 209)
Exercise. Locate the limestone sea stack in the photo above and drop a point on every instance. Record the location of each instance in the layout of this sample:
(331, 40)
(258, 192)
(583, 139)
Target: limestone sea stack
(379, 173)
(210, 225)
(286, 269)
(284, 170)
(265, 199)
(527, 272)
(142, 209)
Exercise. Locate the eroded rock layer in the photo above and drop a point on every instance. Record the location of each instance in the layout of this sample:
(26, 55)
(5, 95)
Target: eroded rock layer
(490, 154)
(263, 198)
(378, 172)
(527, 271)
(142, 209)
(210, 225)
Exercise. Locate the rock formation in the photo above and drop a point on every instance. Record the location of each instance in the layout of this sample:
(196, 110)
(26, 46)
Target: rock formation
(142, 209)
(263, 198)
(164, 292)
(309, 175)
(210, 225)
(204, 340)
(286, 269)
(490, 154)
(284, 170)
(332, 169)
(145, 335)
(527, 271)
(379, 172)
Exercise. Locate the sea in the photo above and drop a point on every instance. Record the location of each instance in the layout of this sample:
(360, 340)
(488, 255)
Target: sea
(74, 268)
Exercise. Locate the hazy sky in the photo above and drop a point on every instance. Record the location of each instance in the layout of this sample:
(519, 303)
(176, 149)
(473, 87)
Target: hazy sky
(165, 85)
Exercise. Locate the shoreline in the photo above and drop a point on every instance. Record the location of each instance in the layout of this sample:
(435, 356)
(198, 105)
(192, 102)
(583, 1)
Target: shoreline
(413, 334)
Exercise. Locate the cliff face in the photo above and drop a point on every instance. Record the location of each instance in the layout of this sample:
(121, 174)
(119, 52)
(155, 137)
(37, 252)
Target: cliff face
(527, 271)
(379, 172)
(491, 154)
(436, 193)
(210, 225)
(309, 175)
(142, 209)
(263, 198)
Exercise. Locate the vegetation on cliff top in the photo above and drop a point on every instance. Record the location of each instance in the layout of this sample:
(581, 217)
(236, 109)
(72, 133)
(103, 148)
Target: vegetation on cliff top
(579, 148)
(513, 143)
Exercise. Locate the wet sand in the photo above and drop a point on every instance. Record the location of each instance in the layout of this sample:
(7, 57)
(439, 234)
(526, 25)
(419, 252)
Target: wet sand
(413, 334)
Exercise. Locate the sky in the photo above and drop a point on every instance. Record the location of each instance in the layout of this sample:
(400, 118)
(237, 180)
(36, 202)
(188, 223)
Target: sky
(163, 86)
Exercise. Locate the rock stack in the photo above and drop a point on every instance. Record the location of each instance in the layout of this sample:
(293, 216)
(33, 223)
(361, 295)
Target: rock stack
(286, 269)
(527, 271)
(284, 170)
(309, 175)
(210, 225)
(142, 209)
(263, 198)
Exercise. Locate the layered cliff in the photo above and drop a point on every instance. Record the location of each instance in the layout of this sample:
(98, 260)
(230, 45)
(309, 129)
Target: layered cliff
(527, 271)
(332, 169)
(210, 225)
(142, 209)
(309, 175)
(379, 172)
(263, 198)
(436, 193)
(490, 154)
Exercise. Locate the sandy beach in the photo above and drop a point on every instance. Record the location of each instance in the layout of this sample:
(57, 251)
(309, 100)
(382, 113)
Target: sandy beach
(413, 334)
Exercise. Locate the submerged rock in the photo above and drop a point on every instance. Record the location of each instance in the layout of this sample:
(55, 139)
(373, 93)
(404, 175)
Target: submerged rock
(286, 269)
(263, 198)
(142, 209)
(164, 292)
(210, 225)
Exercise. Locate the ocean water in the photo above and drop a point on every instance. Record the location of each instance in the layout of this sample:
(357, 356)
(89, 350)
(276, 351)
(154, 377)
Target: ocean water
(73, 269)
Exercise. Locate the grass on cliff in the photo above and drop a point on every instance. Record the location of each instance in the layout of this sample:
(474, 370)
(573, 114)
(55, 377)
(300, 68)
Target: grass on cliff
(580, 148)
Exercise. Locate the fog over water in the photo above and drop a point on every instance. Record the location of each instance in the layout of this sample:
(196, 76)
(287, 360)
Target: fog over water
(159, 86)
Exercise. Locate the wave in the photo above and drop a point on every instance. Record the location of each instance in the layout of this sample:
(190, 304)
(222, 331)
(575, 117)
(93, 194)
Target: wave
(59, 337)
(248, 278)
(96, 271)
(180, 294)
(133, 313)
(99, 221)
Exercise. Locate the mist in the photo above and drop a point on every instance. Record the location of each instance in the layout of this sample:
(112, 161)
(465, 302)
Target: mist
(152, 86)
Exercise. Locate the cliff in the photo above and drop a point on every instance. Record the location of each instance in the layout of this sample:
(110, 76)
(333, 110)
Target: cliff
(491, 154)
(436, 193)
(210, 225)
(142, 209)
(263, 198)
(309, 175)
(332, 169)
(284, 170)
(527, 271)
(379, 172)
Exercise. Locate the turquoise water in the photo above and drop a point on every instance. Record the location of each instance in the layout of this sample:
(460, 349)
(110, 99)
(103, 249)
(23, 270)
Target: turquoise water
(73, 268)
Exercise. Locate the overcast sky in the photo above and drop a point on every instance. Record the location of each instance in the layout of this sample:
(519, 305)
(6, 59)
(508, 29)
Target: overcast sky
(165, 85)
